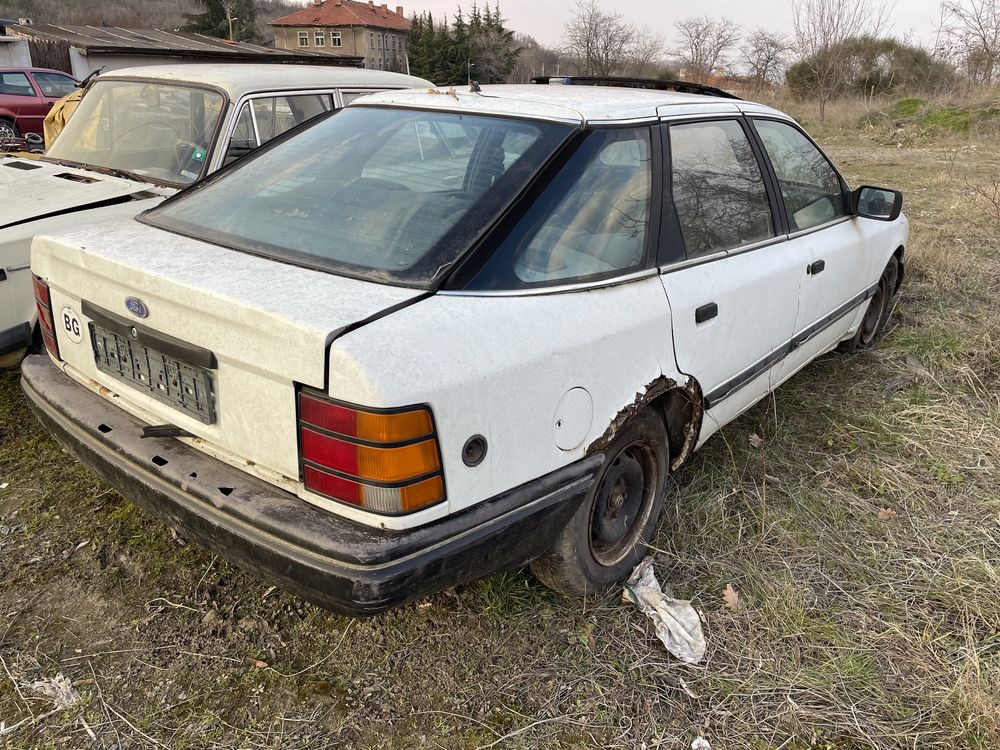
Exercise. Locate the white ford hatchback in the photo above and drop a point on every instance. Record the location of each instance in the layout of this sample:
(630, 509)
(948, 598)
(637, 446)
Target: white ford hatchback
(439, 335)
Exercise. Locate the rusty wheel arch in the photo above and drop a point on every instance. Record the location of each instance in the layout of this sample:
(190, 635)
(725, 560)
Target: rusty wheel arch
(680, 407)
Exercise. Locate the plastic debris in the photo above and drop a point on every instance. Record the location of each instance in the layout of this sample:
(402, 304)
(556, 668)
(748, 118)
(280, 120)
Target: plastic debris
(700, 743)
(59, 689)
(677, 623)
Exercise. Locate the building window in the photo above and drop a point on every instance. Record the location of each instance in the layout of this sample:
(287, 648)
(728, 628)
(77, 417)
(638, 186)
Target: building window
(319, 39)
(335, 39)
(394, 42)
(303, 38)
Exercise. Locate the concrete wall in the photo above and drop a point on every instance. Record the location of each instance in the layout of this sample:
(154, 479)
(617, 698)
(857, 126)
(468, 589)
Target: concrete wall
(14, 53)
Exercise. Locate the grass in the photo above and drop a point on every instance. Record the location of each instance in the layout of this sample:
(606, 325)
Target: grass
(863, 539)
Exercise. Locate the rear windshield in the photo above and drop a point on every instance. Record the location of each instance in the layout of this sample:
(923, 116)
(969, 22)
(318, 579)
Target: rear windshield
(385, 194)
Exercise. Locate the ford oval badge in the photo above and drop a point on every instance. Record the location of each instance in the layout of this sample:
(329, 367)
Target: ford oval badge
(136, 306)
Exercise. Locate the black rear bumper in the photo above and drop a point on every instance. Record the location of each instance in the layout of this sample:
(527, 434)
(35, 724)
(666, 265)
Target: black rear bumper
(316, 554)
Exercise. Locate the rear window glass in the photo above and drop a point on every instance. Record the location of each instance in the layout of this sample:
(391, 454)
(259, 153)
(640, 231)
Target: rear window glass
(386, 194)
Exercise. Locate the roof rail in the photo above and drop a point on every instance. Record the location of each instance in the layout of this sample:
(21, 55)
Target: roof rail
(683, 87)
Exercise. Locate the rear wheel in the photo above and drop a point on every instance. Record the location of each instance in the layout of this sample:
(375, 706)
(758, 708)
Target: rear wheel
(877, 314)
(607, 536)
(8, 130)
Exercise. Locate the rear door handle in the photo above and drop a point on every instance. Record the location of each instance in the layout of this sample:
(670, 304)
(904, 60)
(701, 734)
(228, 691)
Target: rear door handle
(706, 312)
(815, 267)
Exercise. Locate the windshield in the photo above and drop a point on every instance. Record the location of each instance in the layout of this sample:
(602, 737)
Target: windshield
(387, 194)
(156, 131)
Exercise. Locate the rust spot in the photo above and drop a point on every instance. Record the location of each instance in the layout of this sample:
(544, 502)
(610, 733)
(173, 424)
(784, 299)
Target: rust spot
(683, 424)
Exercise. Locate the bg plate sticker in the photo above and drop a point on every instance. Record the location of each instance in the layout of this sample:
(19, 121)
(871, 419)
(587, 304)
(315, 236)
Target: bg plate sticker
(71, 324)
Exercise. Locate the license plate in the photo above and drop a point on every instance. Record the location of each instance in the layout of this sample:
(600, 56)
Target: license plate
(185, 387)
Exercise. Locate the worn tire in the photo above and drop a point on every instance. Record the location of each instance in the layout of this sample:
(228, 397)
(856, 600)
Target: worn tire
(8, 129)
(877, 313)
(585, 558)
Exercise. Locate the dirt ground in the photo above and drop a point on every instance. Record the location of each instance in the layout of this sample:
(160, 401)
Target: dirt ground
(862, 538)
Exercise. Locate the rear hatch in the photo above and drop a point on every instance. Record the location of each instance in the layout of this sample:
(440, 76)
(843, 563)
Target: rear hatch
(211, 340)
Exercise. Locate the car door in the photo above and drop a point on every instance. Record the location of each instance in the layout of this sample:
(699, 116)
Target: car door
(731, 279)
(834, 267)
(27, 104)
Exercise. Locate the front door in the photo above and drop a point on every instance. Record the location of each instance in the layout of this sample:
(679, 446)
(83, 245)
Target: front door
(836, 269)
(734, 291)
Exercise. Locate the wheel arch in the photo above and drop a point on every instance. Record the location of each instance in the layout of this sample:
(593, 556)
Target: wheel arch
(679, 405)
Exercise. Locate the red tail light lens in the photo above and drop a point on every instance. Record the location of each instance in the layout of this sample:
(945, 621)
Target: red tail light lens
(46, 321)
(387, 462)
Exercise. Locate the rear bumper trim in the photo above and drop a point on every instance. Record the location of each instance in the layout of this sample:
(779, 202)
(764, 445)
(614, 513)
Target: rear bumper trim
(318, 555)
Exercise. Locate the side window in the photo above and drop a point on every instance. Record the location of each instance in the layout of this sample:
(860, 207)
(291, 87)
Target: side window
(717, 187)
(15, 84)
(810, 187)
(55, 86)
(243, 141)
(350, 96)
(590, 222)
(275, 115)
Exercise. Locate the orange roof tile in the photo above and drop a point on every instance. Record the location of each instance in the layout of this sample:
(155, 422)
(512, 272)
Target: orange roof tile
(346, 13)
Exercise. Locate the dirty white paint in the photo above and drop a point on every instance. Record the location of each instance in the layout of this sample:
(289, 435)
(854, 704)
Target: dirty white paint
(541, 375)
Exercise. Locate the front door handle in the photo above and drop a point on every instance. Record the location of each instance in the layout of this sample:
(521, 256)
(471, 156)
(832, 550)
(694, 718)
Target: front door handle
(815, 267)
(706, 312)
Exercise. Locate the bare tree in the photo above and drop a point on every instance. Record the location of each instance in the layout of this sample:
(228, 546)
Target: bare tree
(645, 53)
(821, 28)
(971, 32)
(598, 41)
(705, 44)
(764, 55)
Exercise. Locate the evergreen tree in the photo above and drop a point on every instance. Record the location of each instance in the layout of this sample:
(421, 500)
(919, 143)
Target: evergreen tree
(477, 47)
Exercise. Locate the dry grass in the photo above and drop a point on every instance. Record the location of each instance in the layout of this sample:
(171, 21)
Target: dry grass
(863, 539)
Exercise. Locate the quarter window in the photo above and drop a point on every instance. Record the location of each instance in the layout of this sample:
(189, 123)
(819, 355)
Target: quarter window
(590, 223)
(810, 187)
(717, 187)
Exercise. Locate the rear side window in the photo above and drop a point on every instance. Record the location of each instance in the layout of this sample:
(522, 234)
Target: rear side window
(810, 187)
(15, 84)
(717, 187)
(590, 223)
(276, 115)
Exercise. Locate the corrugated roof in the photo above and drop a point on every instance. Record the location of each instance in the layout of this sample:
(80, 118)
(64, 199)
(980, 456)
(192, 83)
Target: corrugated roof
(173, 43)
(346, 13)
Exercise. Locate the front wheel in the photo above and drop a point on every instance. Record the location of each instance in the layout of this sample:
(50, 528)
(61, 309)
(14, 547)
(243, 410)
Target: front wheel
(607, 536)
(877, 314)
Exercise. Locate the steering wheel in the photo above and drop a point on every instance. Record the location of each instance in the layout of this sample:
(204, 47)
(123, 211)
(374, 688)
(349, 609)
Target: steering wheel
(147, 124)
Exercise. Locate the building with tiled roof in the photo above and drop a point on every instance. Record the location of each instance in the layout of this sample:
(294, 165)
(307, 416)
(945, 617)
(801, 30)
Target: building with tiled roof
(347, 27)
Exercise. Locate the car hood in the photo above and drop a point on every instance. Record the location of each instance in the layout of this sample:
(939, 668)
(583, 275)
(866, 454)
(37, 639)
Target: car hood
(32, 189)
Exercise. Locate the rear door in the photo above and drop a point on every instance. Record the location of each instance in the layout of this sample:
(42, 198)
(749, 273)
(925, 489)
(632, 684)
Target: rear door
(730, 277)
(27, 103)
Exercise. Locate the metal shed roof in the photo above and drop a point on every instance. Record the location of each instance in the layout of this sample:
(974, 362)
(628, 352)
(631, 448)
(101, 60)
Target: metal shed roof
(113, 39)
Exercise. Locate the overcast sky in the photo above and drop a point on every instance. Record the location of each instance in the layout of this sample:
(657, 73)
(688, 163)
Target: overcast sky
(544, 19)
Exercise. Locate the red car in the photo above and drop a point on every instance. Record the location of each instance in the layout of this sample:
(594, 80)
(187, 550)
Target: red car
(26, 96)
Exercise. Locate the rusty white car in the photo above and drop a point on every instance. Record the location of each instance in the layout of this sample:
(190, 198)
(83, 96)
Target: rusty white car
(441, 334)
(141, 134)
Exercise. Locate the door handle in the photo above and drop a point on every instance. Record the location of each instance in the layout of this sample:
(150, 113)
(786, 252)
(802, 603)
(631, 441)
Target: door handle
(815, 267)
(706, 312)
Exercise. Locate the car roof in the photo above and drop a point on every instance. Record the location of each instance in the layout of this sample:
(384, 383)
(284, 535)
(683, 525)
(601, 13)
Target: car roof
(35, 70)
(237, 79)
(566, 103)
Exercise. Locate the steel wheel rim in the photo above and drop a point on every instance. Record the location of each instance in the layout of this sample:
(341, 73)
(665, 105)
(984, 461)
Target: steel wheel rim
(622, 503)
(7, 131)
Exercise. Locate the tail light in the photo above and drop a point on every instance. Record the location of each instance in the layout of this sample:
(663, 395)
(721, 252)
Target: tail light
(385, 461)
(46, 321)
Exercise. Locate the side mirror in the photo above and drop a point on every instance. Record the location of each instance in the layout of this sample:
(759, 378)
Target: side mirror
(881, 204)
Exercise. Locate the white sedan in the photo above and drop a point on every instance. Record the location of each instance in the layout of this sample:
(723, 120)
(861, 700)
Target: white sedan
(442, 334)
